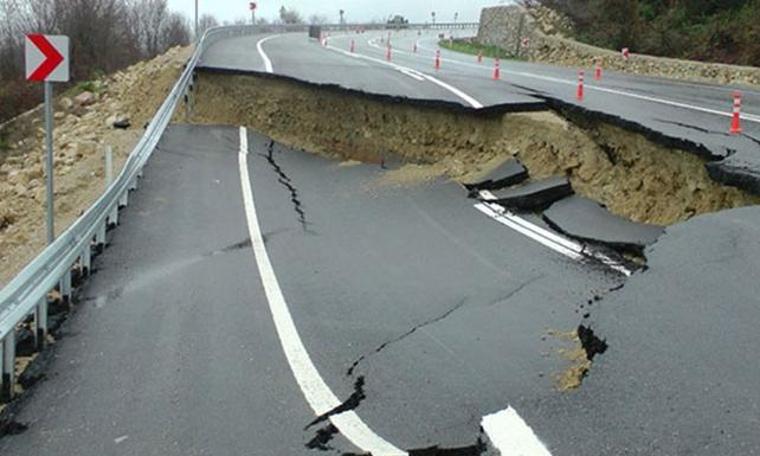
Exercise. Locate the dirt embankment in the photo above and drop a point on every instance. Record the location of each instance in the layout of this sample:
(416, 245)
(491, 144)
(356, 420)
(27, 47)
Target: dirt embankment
(633, 176)
(84, 125)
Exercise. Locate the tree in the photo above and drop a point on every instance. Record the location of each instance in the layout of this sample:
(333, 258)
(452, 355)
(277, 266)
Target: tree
(316, 19)
(290, 16)
(205, 22)
(175, 32)
(106, 35)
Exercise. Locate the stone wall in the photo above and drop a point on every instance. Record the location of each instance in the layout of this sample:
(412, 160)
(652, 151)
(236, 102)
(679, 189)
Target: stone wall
(499, 26)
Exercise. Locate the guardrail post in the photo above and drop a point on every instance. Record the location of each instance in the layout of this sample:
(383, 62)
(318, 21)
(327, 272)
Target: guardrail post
(124, 199)
(9, 366)
(113, 217)
(108, 165)
(85, 259)
(100, 238)
(133, 183)
(41, 323)
(65, 286)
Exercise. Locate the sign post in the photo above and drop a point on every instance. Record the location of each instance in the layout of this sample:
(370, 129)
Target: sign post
(252, 6)
(47, 60)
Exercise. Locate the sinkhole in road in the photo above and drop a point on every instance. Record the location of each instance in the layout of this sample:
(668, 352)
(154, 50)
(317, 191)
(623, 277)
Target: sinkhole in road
(633, 176)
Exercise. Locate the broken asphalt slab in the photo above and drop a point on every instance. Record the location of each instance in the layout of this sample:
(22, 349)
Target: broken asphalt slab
(511, 172)
(534, 195)
(680, 375)
(588, 220)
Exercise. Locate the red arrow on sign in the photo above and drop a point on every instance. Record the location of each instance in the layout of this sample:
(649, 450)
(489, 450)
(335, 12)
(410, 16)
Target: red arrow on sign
(53, 58)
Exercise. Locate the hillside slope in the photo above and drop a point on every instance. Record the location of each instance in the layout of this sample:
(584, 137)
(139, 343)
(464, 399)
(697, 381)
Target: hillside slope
(724, 31)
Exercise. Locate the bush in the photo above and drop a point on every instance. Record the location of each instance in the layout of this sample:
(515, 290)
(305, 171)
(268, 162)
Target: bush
(725, 31)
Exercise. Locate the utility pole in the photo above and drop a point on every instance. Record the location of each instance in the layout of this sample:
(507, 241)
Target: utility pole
(342, 19)
(196, 21)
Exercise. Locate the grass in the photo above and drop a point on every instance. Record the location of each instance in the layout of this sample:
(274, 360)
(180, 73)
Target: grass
(467, 46)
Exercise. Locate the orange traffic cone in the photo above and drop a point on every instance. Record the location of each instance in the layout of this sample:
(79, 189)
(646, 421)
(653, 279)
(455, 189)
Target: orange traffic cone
(438, 59)
(579, 93)
(736, 123)
(496, 69)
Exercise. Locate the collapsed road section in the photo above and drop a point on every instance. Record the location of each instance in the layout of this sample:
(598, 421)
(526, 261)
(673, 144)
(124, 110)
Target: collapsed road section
(631, 175)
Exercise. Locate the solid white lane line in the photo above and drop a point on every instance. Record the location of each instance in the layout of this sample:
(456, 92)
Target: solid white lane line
(572, 82)
(315, 390)
(510, 434)
(413, 75)
(487, 210)
(264, 57)
(549, 239)
(468, 99)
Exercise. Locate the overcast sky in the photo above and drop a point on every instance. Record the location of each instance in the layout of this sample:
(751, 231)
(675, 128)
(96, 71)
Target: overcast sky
(356, 10)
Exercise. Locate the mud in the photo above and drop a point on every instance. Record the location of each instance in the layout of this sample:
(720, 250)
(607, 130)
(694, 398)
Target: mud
(632, 175)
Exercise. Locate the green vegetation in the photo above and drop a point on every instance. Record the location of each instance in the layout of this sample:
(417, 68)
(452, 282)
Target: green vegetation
(469, 46)
(84, 86)
(725, 31)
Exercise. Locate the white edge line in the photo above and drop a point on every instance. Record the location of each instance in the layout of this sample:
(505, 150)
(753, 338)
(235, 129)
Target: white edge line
(470, 100)
(545, 237)
(487, 210)
(315, 390)
(511, 435)
(264, 57)
(745, 116)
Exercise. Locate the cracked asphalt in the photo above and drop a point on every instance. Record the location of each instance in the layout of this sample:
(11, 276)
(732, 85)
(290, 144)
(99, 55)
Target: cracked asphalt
(437, 313)
(421, 314)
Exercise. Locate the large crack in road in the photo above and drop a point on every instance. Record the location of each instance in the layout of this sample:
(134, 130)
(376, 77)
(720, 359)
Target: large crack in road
(627, 170)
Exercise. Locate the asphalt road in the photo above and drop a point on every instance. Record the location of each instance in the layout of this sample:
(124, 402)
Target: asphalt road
(697, 115)
(252, 290)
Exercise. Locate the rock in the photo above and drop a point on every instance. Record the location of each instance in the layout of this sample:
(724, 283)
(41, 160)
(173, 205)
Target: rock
(85, 99)
(122, 122)
(65, 103)
(59, 115)
(85, 148)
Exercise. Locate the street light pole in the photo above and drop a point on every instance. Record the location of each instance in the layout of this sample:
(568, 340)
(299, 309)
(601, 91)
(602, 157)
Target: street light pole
(196, 20)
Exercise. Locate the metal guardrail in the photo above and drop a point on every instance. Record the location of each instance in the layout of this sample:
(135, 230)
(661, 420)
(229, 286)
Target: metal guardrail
(27, 293)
